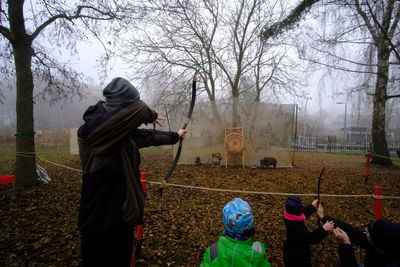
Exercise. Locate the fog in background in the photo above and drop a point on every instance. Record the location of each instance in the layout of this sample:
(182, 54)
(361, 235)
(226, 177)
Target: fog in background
(267, 130)
(48, 116)
(319, 110)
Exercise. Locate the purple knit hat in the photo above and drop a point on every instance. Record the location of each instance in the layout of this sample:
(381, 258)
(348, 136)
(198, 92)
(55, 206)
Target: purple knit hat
(293, 205)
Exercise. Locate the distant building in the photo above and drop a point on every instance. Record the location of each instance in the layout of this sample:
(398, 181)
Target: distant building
(357, 134)
(330, 127)
(363, 134)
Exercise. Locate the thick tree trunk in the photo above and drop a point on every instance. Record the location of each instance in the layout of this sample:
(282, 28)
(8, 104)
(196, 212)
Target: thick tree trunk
(379, 144)
(235, 106)
(235, 158)
(210, 90)
(25, 163)
(215, 111)
(217, 123)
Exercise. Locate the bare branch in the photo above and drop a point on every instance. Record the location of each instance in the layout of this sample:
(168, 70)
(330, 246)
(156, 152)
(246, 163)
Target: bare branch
(388, 36)
(344, 59)
(336, 67)
(97, 37)
(395, 23)
(336, 38)
(78, 14)
(392, 96)
(368, 24)
(61, 82)
(290, 20)
(5, 32)
(387, 17)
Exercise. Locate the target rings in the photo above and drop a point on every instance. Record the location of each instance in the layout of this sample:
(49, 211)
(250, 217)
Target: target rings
(234, 143)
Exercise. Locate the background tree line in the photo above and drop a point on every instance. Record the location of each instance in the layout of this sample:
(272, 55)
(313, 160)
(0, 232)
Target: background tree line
(247, 47)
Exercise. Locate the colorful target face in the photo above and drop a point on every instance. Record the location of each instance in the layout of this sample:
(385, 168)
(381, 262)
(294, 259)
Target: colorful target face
(234, 143)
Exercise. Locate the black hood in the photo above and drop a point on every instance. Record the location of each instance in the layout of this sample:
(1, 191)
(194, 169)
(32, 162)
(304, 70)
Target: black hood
(119, 90)
(385, 235)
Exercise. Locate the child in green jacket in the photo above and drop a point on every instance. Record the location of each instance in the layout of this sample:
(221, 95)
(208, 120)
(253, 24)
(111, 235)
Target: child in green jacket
(235, 246)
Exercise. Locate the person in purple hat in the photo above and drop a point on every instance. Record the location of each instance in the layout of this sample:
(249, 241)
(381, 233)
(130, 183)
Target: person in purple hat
(296, 247)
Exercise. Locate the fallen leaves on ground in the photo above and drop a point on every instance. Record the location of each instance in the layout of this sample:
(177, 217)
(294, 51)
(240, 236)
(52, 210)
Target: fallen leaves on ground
(38, 226)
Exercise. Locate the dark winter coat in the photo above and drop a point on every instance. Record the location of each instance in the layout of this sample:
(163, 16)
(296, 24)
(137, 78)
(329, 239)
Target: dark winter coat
(346, 255)
(296, 247)
(373, 255)
(111, 194)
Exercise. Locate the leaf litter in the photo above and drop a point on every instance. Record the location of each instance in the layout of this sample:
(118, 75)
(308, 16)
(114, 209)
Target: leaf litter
(38, 226)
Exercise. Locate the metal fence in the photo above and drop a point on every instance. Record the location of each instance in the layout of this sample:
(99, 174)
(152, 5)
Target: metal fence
(334, 144)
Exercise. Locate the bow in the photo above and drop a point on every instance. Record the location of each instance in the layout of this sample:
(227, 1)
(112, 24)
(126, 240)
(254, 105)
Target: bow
(178, 152)
(318, 191)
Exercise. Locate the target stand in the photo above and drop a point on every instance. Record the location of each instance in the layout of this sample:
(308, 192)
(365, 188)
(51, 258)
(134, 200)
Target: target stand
(234, 143)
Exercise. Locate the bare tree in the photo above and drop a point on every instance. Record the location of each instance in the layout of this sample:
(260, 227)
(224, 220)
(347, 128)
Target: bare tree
(178, 43)
(276, 73)
(31, 38)
(364, 41)
(221, 40)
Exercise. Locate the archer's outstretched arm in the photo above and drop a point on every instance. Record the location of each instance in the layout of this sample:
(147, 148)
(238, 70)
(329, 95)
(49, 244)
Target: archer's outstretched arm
(146, 137)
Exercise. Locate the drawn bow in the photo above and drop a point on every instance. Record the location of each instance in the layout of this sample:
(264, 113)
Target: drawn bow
(178, 152)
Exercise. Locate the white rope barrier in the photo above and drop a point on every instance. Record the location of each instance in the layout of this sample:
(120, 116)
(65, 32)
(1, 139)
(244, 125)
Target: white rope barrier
(60, 165)
(43, 152)
(384, 157)
(236, 191)
(267, 193)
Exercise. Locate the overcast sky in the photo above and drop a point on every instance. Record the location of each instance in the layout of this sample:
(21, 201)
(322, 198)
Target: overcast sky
(90, 52)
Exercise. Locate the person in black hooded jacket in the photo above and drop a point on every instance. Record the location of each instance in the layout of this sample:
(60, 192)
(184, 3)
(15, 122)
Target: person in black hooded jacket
(381, 241)
(112, 199)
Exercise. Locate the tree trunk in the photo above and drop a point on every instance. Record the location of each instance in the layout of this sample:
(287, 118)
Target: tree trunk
(25, 162)
(379, 143)
(215, 112)
(210, 90)
(235, 105)
(235, 157)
